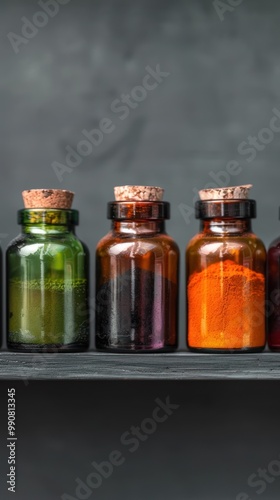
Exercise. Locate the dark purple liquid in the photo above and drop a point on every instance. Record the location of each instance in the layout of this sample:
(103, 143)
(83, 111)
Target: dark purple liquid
(136, 311)
(273, 295)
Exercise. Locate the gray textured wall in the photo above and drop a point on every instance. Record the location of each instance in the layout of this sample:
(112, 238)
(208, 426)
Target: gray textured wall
(223, 84)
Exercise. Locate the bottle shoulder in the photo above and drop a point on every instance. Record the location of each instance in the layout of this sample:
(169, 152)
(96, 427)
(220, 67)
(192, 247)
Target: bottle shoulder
(120, 242)
(247, 248)
(202, 241)
(275, 244)
(25, 244)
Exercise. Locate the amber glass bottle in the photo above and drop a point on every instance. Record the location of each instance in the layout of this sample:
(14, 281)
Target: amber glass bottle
(137, 278)
(226, 279)
(47, 282)
(273, 294)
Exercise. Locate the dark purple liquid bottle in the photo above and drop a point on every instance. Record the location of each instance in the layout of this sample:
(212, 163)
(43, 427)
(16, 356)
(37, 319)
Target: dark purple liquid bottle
(273, 295)
(137, 279)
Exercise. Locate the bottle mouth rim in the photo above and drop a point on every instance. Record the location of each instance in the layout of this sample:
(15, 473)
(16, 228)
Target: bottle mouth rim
(226, 209)
(138, 210)
(50, 216)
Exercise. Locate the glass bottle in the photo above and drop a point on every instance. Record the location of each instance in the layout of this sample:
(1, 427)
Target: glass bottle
(226, 279)
(1, 295)
(47, 283)
(137, 279)
(273, 294)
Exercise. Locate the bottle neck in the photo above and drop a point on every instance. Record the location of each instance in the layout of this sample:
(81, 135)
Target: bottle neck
(138, 227)
(47, 221)
(219, 226)
(45, 229)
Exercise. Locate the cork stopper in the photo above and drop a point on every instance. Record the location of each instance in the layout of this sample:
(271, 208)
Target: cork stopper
(226, 193)
(47, 198)
(138, 193)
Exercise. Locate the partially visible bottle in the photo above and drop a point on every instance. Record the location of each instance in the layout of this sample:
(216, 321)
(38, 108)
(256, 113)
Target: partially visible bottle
(137, 275)
(47, 277)
(226, 265)
(273, 294)
(1, 296)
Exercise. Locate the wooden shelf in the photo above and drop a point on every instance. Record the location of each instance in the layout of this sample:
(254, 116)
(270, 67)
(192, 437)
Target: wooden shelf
(103, 366)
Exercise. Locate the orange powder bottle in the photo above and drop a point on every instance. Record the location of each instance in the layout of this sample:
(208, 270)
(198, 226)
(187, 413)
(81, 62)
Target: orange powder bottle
(226, 275)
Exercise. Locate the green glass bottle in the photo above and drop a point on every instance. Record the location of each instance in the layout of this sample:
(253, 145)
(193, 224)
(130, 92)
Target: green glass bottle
(47, 279)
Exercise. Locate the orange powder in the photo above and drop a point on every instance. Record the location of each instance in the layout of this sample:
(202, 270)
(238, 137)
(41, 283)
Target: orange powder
(226, 307)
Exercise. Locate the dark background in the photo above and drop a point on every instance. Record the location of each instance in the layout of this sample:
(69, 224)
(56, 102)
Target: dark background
(224, 82)
(221, 434)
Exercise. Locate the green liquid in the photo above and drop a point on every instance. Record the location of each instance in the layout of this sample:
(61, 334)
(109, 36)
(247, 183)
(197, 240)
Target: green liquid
(51, 312)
